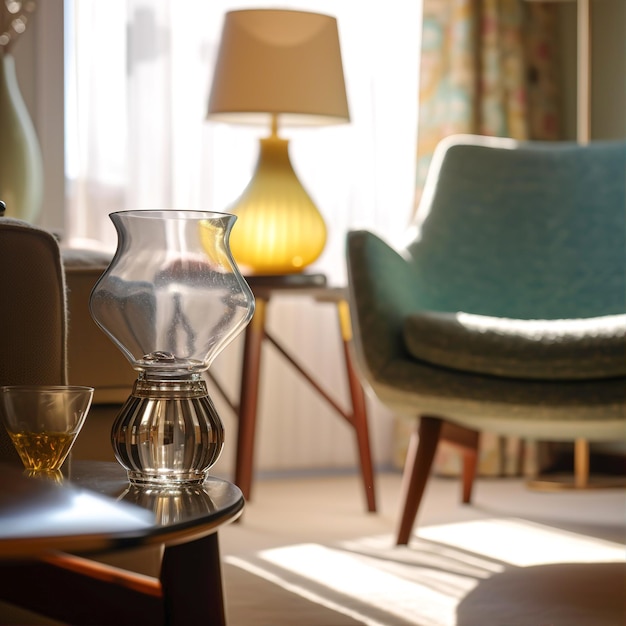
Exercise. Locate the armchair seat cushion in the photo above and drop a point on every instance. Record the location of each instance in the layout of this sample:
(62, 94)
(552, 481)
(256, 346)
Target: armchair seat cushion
(578, 349)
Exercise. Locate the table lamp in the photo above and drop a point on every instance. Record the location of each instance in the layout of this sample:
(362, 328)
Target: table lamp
(277, 67)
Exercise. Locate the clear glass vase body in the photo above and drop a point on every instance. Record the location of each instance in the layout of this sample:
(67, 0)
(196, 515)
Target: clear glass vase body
(171, 300)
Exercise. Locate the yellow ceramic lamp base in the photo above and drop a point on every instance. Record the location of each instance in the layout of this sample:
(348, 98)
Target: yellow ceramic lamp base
(279, 229)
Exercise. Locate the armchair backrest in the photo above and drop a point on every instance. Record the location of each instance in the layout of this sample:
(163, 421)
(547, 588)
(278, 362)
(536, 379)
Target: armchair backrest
(523, 230)
(33, 314)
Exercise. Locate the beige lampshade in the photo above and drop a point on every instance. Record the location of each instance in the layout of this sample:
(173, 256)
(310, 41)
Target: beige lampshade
(276, 68)
(279, 62)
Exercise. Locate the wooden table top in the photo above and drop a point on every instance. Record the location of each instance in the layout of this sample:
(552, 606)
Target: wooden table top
(96, 509)
(313, 285)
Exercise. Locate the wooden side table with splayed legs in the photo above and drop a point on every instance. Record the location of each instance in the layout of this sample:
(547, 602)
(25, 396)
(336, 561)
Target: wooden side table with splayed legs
(312, 286)
(97, 510)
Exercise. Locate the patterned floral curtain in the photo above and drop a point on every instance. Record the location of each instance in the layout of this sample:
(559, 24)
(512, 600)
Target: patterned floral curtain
(487, 67)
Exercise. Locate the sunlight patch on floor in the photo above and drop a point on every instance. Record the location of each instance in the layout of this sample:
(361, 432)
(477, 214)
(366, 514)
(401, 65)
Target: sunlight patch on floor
(355, 577)
(380, 584)
(523, 543)
(263, 572)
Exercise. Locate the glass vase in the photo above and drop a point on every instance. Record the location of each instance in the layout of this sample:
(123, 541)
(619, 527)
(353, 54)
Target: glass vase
(21, 168)
(171, 299)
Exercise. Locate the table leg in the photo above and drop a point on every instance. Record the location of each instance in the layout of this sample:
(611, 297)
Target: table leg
(191, 579)
(359, 410)
(248, 398)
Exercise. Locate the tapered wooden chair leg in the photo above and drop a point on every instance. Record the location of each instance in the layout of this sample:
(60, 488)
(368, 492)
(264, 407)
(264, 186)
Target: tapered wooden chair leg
(419, 460)
(581, 463)
(466, 441)
(470, 467)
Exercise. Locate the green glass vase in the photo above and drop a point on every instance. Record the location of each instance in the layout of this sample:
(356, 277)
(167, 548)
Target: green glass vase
(21, 170)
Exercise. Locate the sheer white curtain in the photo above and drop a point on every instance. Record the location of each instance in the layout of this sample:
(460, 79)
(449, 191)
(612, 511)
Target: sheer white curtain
(139, 74)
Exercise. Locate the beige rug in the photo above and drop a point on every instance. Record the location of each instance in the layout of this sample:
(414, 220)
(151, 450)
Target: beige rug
(258, 599)
(501, 572)
(306, 554)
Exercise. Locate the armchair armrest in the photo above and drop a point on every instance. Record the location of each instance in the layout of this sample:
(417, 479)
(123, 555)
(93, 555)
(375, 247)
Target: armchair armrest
(381, 294)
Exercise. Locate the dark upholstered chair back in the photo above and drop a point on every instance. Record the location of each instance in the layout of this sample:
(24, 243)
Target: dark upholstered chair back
(32, 314)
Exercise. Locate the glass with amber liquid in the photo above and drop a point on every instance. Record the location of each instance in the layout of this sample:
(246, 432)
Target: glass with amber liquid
(43, 422)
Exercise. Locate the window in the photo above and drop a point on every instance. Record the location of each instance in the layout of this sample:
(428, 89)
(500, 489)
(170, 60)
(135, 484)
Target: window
(138, 74)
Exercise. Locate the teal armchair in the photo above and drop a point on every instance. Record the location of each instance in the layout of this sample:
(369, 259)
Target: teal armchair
(505, 310)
